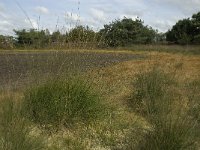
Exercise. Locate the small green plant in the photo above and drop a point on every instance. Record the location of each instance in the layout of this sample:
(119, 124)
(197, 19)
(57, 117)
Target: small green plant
(60, 102)
(14, 133)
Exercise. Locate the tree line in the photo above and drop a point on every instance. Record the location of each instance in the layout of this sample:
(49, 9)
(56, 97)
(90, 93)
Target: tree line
(186, 31)
(118, 33)
(124, 32)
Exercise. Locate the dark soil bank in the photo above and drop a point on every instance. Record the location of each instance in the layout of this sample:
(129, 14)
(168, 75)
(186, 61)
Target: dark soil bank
(14, 67)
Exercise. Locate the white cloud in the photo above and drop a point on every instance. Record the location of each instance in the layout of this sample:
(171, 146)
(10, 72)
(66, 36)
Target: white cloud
(11, 20)
(3, 15)
(162, 25)
(6, 27)
(185, 6)
(74, 19)
(2, 7)
(41, 10)
(160, 14)
(69, 16)
(138, 13)
(97, 14)
(128, 16)
(4, 23)
(31, 23)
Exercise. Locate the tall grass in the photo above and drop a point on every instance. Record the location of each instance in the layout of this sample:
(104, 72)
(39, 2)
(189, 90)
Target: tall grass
(62, 102)
(194, 99)
(14, 132)
(170, 126)
(150, 90)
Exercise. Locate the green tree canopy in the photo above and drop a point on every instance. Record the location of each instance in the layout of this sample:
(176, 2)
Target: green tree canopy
(81, 34)
(126, 32)
(186, 31)
(32, 37)
(196, 23)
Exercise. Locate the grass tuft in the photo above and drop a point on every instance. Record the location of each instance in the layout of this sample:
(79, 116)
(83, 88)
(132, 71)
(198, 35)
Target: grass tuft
(170, 126)
(149, 89)
(14, 133)
(62, 102)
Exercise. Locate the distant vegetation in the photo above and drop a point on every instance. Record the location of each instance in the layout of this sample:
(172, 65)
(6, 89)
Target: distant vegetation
(186, 31)
(119, 33)
(126, 32)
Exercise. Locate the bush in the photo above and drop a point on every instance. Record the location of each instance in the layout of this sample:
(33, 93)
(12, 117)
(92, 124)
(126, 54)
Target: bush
(62, 102)
(14, 133)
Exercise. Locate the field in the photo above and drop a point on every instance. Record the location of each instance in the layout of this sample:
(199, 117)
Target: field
(17, 66)
(139, 100)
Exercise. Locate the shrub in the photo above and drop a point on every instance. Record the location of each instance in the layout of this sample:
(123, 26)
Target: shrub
(14, 133)
(62, 102)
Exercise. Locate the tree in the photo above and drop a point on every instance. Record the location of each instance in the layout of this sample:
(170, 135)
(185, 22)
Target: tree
(186, 31)
(182, 32)
(31, 38)
(81, 34)
(196, 23)
(126, 32)
(160, 37)
(6, 42)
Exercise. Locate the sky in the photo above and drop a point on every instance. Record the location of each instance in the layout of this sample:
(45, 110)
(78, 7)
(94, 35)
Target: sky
(64, 14)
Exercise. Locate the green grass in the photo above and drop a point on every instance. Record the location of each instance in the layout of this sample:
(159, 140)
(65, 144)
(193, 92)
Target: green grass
(14, 132)
(170, 133)
(170, 126)
(162, 113)
(62, 102)
(149, 90)
(194, 99)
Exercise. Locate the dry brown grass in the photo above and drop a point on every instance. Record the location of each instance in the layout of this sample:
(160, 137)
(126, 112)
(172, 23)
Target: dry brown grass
(117, 80)
(115, 84)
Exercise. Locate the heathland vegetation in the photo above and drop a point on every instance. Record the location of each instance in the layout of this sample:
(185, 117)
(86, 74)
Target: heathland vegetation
(143, 104)
(56, 94)
(125, 32)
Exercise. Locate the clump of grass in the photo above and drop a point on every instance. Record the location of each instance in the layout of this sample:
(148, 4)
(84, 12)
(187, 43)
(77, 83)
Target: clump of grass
(62, 102)
(150, 88)
(170, 126)
(173, 130)
(14, 133)
(193, 89)
(166, 132)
